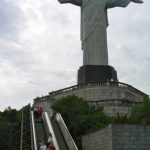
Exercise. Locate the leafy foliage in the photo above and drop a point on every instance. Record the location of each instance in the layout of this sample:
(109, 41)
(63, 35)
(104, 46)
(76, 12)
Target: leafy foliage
(121, 119)
(10, 129)
(141, 114)
(79, 116)
(82, 118)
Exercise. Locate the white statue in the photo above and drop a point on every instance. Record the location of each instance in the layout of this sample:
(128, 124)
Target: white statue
(93, 27)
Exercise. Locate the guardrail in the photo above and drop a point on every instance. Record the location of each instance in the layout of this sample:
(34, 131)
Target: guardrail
(41, 99)
(92, 84)
(67, 136)
(33, 131)
(52, 94)
(116, 102)
(26, 133)
(48, 126)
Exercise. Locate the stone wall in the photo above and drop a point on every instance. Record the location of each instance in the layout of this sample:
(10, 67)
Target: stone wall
(43, 102)
(105, 92)
(116, 98)
(118, 137)
(100, 140)
(130, 137)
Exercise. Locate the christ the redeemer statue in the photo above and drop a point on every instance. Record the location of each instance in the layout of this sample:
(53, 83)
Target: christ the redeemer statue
(93, 27)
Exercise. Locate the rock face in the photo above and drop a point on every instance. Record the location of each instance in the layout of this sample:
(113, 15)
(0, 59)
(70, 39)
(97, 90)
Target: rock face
(118, 137)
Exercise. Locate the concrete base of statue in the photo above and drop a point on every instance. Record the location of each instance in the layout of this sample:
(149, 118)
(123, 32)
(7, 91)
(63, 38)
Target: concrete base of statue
(114, 97)
(96, 73)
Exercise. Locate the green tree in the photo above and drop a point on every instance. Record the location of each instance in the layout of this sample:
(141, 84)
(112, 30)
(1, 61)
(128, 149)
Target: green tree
(79, 117)
(141, 114)
(10, 129)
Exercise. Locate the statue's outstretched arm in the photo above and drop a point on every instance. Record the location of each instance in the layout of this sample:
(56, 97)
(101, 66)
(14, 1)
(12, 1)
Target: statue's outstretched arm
(120, 3)
(75, 2)
(137, 1)
(65, 1)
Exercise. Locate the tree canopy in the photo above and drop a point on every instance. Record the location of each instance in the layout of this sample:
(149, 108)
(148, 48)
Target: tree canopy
(10, 129)
(82, 118)
(141, 114)
(79, 116)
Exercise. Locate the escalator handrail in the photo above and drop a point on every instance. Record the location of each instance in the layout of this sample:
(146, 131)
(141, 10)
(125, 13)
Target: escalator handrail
(33, 131)
(67, 136)
(50, 128)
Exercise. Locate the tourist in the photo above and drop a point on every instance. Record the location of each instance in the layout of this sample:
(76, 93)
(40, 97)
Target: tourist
(43, 146)
(50, 147)
(39, 111)
(50, 139)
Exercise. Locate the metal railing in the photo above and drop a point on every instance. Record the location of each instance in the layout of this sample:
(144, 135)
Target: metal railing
(77, 87)
(93, 84)
(41, 99)
(26, 133)
(33, 131)
(116, 102)
(48, 126)
(65, 132)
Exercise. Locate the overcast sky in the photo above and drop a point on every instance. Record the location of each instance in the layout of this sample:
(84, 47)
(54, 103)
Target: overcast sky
(40, 49)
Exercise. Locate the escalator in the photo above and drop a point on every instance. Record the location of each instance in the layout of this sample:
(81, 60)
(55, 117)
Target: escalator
(59, 137)
(43, 125)
(40, 131)
(63, 135)
(36, 128)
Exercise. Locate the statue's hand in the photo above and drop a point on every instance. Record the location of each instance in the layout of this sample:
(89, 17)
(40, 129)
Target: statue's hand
(137, 1)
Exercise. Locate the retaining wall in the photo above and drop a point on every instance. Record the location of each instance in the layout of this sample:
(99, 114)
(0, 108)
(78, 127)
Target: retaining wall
(118, 137)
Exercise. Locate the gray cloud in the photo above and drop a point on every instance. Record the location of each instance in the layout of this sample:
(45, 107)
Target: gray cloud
(129, 50)
(9, 18)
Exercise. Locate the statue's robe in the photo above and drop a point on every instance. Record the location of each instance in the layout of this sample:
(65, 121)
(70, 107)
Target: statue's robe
(93, 28)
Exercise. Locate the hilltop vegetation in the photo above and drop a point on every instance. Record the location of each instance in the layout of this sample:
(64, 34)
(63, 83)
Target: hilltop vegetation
(82, 118)
(10, 129)
(139, 115)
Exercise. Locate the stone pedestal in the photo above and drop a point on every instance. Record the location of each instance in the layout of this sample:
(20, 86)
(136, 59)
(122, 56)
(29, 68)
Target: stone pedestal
(96, 73)
(114, 97)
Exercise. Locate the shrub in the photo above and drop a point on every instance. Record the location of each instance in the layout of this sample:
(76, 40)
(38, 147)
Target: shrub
(79, 117)
(141, 114)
